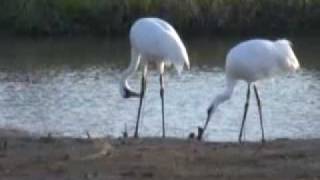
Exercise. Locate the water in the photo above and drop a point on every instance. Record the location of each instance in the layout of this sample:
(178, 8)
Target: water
(70, 86)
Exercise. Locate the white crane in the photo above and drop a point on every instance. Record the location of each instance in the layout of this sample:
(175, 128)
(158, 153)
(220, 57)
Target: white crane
(152, 40)
(251, 61)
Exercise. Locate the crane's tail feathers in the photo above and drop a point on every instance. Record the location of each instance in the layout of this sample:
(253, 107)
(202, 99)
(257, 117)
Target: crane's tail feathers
(284, 41)
(295, 64)
(285, 49)
(187, 65)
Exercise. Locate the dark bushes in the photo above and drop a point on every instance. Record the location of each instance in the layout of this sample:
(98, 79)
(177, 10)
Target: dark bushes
(190, 17)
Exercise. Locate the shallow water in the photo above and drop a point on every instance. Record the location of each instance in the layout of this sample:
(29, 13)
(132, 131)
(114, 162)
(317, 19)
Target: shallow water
(70, 86)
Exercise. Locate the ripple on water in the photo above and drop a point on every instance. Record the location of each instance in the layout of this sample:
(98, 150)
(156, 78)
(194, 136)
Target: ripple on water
(71, 102)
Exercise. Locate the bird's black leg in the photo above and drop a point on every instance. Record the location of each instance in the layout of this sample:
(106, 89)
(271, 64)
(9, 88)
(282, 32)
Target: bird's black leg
(260, 112)
(162, 104)
(200, 129)
(143, 88)
(246, 106)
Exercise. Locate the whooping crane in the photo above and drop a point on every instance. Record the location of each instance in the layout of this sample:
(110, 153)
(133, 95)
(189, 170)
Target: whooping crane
(251, 61)
(152, 40)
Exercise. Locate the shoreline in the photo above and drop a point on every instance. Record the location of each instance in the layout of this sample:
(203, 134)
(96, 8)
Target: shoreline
(30, 157)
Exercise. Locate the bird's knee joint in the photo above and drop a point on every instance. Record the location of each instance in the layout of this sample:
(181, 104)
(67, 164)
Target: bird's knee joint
(161, 91)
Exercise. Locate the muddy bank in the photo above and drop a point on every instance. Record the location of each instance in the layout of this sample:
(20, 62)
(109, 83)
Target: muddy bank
(28, 157)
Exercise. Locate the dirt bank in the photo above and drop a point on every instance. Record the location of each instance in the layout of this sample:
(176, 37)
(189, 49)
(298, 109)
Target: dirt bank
(31, 158)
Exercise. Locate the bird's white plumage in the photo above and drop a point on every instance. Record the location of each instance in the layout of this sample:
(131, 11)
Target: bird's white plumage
(258, 59)
(154, 40)
(254, 60)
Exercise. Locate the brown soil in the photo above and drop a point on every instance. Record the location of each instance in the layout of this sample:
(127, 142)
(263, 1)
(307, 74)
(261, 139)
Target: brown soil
(49, 158)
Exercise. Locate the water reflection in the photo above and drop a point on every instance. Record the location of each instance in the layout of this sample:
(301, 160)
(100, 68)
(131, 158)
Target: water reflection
(70, 87)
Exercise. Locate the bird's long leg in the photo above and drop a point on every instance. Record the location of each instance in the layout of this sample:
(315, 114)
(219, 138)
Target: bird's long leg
(162, 105)
(246, 106)
(260, 112)
(143, 89)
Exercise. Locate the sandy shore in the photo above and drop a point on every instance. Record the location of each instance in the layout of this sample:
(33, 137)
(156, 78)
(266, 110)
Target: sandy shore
(31, 158)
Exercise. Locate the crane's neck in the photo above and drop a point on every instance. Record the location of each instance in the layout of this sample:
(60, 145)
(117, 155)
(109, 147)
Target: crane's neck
(226, 94)
(125, 76)
(125, 89)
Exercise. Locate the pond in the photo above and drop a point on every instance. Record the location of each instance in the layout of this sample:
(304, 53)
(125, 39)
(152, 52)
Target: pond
(71, 86)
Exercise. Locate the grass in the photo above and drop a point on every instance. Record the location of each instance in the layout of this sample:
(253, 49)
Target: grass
(190, 17)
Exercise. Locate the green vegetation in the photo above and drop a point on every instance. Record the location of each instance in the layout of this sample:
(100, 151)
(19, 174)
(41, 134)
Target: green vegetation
(190, 17)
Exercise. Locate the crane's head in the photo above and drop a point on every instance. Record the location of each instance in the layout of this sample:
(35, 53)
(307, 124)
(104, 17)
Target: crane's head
(210, 111)
(127, 92)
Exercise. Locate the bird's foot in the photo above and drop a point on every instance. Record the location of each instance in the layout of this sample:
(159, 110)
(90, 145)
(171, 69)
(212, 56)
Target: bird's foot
(200, 133)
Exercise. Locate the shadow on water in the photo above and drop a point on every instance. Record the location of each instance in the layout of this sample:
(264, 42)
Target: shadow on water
(70, 86)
